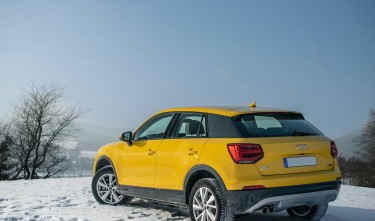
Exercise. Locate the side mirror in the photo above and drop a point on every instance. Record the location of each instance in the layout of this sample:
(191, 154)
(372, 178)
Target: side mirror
(127, 137)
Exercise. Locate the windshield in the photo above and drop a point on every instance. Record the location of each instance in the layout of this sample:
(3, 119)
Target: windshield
(275, 125)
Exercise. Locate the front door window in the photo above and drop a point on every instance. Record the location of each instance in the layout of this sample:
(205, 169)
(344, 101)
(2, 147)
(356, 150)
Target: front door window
(154, 129)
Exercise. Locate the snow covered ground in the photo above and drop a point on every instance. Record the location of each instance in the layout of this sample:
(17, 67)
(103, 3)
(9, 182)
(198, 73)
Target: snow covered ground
(71, 199)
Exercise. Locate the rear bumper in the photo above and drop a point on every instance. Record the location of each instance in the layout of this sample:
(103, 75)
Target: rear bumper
(245, 201)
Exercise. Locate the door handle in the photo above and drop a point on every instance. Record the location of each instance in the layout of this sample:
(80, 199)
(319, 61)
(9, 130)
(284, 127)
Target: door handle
(192, 151)
(151, 152)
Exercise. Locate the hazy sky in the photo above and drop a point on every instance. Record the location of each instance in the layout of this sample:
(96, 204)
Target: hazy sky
(129, 59)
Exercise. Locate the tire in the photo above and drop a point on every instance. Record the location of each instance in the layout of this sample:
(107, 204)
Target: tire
(207, 202)
(104, 188)
(308, 212)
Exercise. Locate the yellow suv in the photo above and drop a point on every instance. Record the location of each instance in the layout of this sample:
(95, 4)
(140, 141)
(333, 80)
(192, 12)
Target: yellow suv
(222, 162)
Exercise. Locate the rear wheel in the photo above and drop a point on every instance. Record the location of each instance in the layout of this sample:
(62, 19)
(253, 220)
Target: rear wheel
(309, 212)
(207, 202)
(104, 188)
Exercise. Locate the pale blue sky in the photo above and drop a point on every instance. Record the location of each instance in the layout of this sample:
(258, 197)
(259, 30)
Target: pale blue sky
(129, 59)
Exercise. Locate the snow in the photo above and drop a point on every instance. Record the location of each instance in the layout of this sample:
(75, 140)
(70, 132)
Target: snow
(71, 199)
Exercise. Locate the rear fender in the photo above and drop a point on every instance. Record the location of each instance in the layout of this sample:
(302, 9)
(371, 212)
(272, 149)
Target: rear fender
(200, 168)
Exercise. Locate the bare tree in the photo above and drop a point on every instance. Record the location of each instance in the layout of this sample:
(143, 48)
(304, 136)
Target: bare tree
(40, 125)
(7, 163)
(366, 143)
(354, 171)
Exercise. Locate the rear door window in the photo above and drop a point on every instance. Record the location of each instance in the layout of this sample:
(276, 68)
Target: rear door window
(190, 126)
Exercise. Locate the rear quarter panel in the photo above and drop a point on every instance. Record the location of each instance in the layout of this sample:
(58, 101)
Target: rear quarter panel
(236, 176)
(216, 155)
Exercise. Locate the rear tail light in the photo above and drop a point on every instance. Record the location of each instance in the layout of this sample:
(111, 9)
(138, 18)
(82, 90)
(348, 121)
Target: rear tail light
(245, 153)
(334, 150)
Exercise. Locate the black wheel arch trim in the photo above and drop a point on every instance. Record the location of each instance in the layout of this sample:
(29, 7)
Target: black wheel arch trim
(197, 168)
(106, 159)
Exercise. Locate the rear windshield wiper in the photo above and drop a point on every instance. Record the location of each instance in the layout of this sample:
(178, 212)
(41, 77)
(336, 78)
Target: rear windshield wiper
(302, 133)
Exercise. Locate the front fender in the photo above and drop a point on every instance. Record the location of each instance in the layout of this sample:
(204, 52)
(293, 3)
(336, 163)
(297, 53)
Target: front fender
(108, 153)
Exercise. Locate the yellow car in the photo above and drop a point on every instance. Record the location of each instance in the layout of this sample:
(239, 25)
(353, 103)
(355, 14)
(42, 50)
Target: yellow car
(222, 162)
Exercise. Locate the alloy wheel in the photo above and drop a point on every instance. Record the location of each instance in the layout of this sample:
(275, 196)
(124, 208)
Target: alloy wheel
(205, 207)
(106, 188)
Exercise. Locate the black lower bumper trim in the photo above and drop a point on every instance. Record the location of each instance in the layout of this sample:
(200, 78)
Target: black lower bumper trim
(242, 200)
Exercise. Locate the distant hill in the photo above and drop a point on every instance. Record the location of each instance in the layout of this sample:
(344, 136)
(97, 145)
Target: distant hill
(90, 138)
(82, 148)
(93, 136)
(345, 144)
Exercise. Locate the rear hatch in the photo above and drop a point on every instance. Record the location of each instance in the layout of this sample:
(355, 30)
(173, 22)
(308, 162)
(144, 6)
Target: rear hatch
(287, 155)
(290, 144)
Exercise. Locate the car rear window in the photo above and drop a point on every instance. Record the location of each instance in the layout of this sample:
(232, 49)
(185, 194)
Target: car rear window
(274, 125)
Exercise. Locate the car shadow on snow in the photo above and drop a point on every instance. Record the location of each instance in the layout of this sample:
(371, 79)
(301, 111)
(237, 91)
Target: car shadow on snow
(179, 213)
(259, 216)
(334, 213)
(342, 213)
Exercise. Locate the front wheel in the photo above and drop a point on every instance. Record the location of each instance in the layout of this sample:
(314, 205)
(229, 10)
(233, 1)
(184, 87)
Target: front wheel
(104, 188)
(308, 212)
(207, 202)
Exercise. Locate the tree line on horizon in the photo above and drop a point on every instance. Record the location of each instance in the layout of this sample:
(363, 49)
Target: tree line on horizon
(359, 170)
(31, 139)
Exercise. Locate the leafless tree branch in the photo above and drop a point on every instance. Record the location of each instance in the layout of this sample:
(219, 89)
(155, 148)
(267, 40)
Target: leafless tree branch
(41, 121)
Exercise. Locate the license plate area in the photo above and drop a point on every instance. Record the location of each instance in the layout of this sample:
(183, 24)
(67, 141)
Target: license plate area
(299, 161)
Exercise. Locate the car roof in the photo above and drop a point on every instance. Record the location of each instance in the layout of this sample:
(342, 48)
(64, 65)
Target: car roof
(229, 111)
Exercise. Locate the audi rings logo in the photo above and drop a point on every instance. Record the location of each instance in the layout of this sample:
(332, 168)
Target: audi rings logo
(302, 147)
